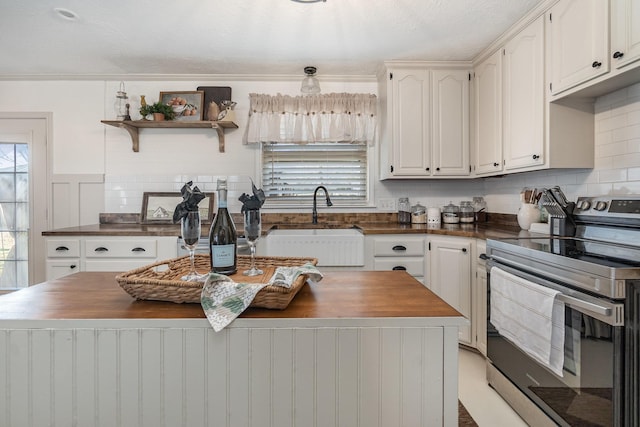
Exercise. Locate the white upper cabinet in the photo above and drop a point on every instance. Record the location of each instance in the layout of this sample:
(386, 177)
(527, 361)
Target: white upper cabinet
(450, 122)
(411, 138)
(425, 125)
(487, 117)
(578, 33)
(523, 98)
(625, 32)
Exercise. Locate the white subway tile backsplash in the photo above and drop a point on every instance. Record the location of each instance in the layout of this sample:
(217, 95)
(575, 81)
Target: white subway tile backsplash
(614, 149)
(629, 187)
(612, 175)
(633, 174)
(633, 117)
(614, 122)
(629, 160)
(626, 133)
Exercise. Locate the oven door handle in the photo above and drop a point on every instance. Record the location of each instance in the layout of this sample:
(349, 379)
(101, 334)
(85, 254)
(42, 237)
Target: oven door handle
(610, 313)
(589, 306)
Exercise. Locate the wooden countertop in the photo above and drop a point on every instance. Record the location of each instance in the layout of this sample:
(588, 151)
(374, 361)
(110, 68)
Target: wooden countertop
(478, 231)
(352, 294)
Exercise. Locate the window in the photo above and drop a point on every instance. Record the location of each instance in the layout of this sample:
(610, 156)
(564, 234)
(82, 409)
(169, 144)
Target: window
(291, 172)
(14, 215)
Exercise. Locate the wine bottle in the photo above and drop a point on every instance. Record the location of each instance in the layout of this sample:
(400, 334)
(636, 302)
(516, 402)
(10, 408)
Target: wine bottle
(222, 236)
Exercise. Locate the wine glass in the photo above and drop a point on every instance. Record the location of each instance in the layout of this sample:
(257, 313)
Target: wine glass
(252, 230)
(190, 228)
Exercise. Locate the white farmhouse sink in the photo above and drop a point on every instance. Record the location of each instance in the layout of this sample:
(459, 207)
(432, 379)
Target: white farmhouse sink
(332, 247)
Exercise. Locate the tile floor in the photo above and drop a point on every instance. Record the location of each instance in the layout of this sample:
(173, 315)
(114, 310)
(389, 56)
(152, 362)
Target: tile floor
(485, 405)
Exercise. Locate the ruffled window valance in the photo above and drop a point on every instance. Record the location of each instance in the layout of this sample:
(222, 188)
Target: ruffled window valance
(334, 117)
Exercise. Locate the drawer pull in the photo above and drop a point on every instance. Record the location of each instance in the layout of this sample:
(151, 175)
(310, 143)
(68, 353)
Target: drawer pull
(399, 267)
(399, 248)
(138, 249)
(72, 266)
(101, 249)
(62, 248)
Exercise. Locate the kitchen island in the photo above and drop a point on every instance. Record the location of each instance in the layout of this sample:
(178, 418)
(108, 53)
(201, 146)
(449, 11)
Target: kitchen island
(357, 349)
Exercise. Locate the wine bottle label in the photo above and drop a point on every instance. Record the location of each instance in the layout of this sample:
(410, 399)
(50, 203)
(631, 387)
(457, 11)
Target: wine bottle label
(223, 255)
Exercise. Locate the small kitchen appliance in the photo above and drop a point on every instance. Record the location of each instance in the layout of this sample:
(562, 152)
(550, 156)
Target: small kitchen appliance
(592, 261)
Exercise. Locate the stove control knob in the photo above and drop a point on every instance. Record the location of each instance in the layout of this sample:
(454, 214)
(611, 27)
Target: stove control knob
(600, 206)
(584, 205)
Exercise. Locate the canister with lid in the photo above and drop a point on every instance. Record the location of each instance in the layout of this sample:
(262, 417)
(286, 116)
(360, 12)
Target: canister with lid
(404, 211)
(418, 214)
(450, 214)
(466, 212)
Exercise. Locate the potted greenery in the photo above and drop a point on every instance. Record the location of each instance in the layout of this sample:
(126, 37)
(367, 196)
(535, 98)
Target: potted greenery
(159, 110)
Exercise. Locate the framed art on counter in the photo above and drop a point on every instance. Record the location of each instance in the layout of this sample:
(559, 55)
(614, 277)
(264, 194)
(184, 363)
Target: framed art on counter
(157, 208)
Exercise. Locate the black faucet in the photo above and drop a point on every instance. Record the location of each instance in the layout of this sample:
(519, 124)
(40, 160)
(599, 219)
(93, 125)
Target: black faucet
(315, 210)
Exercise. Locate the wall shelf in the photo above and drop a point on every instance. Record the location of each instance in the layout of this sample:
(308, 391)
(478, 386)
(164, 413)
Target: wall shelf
(134, 126)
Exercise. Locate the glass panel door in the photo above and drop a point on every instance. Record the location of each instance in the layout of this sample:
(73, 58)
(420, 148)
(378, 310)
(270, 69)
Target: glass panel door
(14, 215)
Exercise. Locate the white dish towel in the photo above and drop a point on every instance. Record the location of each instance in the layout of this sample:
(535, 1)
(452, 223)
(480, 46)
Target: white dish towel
(530, 316)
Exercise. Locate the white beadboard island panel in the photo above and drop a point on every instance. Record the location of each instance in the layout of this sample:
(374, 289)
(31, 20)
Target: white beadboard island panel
(257, 372)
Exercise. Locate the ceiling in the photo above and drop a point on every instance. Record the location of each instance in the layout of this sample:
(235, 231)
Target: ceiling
(339, 37)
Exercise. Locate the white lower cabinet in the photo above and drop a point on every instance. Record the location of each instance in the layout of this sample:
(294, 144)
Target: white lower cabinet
(63, 257)
(449, 264)
(397, 252)
(112, 253)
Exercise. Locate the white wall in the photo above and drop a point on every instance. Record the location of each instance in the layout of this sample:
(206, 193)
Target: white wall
(617, 158)
(168, 158)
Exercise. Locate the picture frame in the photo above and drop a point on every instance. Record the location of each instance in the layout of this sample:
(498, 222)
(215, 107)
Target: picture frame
(192, 100)
(215, 94)
(158, 207)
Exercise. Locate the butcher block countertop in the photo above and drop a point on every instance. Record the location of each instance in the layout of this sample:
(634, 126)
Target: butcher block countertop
(485, 230)
(352, 294)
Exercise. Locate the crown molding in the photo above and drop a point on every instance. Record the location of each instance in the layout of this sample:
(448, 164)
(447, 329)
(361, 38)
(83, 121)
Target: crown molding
(184, 77)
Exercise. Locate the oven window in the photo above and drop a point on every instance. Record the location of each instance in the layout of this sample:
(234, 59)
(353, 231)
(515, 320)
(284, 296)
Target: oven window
(584, 395)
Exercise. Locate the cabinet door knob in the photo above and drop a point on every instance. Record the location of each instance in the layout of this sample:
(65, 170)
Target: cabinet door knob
(464, 250)
(618, 55)
(535, 157)
(437, 169)
(62, 248)
(101, 249)
(596, 64)
(72, 266)
(427, 169)
(138, 249)
(495, 165)
(399, 248)
(399, 267)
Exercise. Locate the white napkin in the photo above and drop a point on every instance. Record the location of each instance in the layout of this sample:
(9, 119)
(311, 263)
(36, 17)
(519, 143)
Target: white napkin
(223, 299)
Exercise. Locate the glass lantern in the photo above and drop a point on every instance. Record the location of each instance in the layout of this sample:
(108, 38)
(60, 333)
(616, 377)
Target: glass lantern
(121, 104)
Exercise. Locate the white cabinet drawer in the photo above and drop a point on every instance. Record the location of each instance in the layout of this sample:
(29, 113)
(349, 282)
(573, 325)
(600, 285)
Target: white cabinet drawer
(413, 265)
(114, 264)
(105, 248)
(399, 246)
(59, 268)
(63, 248)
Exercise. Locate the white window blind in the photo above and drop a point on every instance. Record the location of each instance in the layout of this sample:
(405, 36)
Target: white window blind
(293, 171)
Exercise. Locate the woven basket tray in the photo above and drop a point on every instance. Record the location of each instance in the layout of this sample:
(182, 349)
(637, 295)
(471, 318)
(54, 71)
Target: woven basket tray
(161, 281)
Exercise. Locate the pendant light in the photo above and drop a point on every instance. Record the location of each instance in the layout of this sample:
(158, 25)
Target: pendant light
(310, 84)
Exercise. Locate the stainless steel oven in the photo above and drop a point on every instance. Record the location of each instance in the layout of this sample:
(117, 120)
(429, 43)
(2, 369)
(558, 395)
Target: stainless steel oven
(596, 272)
